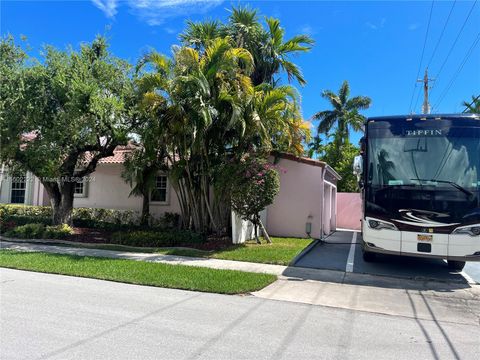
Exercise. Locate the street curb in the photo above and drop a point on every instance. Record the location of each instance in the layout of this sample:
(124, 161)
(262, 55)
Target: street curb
(307, 250)
(304, 252)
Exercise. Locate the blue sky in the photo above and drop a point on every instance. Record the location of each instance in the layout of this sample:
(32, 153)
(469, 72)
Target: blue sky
(375, 45)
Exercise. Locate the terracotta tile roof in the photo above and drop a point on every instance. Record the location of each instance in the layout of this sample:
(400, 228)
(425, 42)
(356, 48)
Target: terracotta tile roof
(299, 159)
(119, 155)
(305, 160)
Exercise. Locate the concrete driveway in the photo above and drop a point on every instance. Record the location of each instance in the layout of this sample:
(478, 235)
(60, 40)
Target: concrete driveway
(342, 251)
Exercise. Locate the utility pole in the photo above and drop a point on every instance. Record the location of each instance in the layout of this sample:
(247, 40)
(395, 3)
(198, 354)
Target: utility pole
(426, 104)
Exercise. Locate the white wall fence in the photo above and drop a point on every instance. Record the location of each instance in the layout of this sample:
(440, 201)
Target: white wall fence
(243, 230)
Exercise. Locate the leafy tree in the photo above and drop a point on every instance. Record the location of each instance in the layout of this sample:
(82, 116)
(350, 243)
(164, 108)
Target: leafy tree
(61, 116)
(341, 161)
(344, 116)
(254, 185)
(472, 106)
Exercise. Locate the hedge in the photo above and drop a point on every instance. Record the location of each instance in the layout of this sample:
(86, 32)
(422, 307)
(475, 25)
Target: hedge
(107, 219)
(40, 231)
(157, 238)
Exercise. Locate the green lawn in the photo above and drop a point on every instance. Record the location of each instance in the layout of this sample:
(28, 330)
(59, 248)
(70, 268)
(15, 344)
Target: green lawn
(138, 272)
(281, 252)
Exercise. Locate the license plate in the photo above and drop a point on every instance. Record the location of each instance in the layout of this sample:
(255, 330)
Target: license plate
(422, 237)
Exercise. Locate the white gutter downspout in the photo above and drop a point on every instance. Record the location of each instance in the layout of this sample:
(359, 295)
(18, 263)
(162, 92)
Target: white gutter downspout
(324, 170)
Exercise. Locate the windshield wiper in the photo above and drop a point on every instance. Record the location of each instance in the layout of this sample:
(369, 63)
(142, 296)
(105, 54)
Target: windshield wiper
(454, 184)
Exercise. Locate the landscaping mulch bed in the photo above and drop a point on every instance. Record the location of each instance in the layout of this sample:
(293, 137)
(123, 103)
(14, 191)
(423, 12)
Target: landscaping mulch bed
(90, 236)
(96, 236)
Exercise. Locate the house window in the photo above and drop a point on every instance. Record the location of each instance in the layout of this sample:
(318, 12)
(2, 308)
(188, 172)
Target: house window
(19, 185)
(159, 194)
(80, 189)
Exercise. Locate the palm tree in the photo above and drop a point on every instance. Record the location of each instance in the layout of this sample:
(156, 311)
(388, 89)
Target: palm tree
(276, 53)
(199, 34)
(276, 122)
(143, 163)
(271, 52)
(344, 116)
(473, 106)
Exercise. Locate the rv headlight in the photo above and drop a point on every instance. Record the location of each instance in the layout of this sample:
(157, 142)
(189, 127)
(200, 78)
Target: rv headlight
(472, 230)
(380, 224)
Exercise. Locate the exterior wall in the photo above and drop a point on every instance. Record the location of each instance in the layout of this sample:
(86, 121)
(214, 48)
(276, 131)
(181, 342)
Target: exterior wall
(299, 200)
(108, 190)
(349, 210)
(329, 216)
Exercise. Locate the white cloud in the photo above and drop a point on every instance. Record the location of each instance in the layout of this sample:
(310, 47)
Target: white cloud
(170, 30)
(376, 26)
(413, 27)
(156, 12)
(309, 30)
(109, 7)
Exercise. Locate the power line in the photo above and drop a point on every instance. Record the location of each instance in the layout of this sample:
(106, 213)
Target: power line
(421, 57)
(456, 40)
(418, 98)
(441, 34)
(455, 75)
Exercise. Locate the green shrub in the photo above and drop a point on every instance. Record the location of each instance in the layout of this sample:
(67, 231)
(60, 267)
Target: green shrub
(106, 219)
(25, 210)
(91, 217)
(22, 220)
(168, 220)
(57, 232)
(159, 238)
(28, 231)
(40, 231)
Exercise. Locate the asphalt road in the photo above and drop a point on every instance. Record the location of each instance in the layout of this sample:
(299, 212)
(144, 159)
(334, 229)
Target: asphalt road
(59, 317)
(338, 252)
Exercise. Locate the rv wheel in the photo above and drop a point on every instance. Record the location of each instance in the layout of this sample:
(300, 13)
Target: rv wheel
(456, 265)
(369, 256)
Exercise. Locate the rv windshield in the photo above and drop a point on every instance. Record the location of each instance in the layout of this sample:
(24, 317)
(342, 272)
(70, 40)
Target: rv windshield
(416, 158)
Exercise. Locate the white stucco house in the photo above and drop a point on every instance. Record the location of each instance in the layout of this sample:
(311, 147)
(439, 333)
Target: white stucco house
(305, 205)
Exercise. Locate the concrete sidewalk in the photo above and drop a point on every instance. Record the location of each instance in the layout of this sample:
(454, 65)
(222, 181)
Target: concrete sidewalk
(166, 259)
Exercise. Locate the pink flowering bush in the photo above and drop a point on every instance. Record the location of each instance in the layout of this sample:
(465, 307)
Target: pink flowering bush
(254, 185)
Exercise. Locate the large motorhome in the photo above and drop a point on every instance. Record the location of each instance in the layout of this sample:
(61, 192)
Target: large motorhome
(420, 180)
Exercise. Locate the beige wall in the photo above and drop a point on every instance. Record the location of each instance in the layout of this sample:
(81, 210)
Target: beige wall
(299, 200)
(108, 190)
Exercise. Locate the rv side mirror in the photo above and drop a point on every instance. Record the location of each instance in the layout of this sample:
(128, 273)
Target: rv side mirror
(358, 166)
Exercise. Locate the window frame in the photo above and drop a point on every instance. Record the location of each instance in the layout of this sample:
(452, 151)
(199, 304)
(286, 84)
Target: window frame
(167, 191)
(84, 192)
(12, 188)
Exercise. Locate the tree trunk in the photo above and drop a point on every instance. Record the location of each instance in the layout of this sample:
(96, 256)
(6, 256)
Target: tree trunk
(145, 210)
(61, 198)
(264, 231)
(256, 233)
